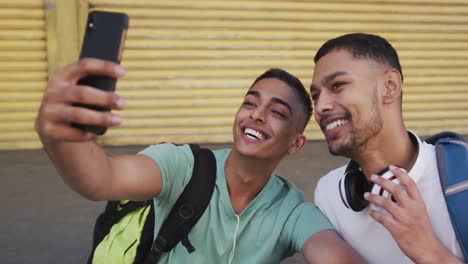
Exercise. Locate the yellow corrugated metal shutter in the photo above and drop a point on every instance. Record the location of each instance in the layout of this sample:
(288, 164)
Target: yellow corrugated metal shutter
(23, 71)
(190, 62)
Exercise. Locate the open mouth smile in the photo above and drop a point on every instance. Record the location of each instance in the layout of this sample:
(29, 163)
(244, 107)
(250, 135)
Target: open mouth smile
(254, 134)
(335, 124)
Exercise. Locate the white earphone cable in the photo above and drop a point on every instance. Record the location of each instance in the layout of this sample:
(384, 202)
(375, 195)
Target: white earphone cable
(231, 256)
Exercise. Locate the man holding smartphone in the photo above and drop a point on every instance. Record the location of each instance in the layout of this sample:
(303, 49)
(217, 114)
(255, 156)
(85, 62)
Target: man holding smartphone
(254, 216)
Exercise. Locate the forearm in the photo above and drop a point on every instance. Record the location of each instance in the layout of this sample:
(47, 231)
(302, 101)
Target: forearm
(439, 255)
(81, 162)
(327, 247)
(84, 166)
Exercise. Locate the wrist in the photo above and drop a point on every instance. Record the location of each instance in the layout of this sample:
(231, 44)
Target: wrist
(439, 254)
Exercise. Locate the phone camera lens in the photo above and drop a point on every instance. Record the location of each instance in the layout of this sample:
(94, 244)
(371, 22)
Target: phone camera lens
(91, 21)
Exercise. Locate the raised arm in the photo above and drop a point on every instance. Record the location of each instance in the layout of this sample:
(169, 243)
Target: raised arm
(80, 161)
(327, 247)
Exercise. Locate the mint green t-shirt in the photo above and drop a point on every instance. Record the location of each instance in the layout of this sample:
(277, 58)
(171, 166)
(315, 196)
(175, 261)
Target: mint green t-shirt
(274, 225)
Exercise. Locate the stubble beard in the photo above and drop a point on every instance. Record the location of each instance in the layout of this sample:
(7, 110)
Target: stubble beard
(360, 134)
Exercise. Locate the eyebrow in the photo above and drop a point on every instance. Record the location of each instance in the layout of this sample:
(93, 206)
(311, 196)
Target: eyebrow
(328, 78)
(274, 99)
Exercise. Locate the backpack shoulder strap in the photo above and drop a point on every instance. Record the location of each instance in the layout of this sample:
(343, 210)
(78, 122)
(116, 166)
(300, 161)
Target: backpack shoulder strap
(189, 207)
(452, 164)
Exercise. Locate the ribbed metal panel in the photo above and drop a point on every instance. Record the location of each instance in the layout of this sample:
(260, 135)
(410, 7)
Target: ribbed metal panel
(23, 71)
(190, 62)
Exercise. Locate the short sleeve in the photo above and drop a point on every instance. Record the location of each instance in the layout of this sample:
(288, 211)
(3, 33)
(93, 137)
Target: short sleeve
(176, 165)
(305, 221)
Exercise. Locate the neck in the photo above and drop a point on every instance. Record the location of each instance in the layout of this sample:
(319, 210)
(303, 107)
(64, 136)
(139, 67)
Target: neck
(246, 177)
(393, 147)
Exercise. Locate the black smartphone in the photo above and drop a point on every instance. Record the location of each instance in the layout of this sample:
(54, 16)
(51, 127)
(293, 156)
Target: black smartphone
(104, 38)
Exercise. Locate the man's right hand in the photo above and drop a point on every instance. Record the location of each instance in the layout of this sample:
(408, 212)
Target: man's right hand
(56, 113)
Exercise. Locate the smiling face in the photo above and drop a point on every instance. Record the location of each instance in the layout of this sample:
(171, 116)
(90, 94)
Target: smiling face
(268, 124)
(345, 92)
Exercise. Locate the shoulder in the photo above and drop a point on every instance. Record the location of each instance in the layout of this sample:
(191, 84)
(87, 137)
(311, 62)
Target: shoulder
(175, 163)
(327, 193)
(168, 155)
(154, 151)
(426, 151)
(286, 188)
(290, 201)
(426, 161)
(311, 214)
(305, 221)
(330, 179)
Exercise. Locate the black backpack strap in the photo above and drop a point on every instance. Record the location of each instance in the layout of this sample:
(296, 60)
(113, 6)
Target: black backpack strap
(189, 207)
(146, 238)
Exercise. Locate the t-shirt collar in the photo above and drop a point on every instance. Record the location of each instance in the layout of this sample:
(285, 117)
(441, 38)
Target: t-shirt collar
(417, 169)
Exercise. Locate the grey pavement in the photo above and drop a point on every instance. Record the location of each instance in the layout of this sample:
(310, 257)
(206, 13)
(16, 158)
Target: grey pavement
(43, 221)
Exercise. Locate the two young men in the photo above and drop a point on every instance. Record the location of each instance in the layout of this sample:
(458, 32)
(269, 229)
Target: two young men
(254, 216)
(260, 217)
(357, 94)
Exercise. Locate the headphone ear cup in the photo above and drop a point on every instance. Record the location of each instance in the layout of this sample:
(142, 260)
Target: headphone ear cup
(376, 189)
(356, 185)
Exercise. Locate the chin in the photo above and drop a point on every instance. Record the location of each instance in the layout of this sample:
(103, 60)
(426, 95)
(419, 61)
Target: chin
(246, 152)
(339, 149)
(253, 152)
(243, 148)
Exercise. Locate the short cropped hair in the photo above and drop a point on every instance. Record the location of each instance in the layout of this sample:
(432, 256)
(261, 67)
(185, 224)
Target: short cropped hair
(297, 86)
(363, 46)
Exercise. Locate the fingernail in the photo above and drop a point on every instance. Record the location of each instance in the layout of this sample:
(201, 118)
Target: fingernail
(366, 195)
(119, 70)
(120, 103)
(374, 177)
(392, 167)
(116, 120)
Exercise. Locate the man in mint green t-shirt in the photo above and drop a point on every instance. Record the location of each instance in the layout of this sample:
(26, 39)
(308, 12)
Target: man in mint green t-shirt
(254, 216)
(274, 225)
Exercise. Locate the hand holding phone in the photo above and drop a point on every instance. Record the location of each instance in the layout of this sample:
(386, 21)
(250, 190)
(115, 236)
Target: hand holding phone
(104, 39)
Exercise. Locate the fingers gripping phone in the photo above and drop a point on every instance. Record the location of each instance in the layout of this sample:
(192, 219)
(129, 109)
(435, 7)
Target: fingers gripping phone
(104, 39)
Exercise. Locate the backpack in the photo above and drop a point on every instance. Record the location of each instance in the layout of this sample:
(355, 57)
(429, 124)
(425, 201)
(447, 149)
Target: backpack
(123, 233)
(452, 164)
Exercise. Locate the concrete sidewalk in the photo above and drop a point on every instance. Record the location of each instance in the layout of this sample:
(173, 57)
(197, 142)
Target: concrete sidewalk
(43, 221)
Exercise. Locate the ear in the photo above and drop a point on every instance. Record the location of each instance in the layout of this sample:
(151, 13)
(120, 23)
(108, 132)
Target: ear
(298, 144)
(393, 86)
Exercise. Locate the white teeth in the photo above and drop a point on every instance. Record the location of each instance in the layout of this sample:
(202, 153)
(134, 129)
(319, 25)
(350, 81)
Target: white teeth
(253, 134)
(336, 123)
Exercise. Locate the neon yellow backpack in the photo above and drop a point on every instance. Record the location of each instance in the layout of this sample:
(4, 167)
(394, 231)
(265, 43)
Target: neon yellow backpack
(124, 232)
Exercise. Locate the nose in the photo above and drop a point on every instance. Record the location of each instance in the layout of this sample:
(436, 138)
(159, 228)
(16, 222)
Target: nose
(324, 103)
(258, 114)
